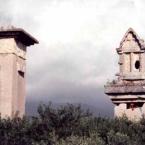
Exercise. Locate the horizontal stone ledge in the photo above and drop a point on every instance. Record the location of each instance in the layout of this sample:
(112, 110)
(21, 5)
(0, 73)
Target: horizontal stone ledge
(125, 90)
(127, 101)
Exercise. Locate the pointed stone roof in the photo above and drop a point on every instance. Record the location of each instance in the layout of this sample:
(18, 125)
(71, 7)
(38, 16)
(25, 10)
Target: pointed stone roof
(136, 37)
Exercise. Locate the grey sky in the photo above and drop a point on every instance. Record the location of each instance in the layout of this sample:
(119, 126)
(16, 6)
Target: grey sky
(76, 54)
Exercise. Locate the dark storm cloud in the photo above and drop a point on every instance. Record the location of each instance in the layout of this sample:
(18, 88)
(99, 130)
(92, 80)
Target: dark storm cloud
(73, 76)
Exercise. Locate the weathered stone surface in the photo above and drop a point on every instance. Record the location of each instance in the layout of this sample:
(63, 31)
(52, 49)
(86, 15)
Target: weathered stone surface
(12, 71)
(125, 89)
(127, 92)
(119, 110)
(133, 114)
(9, 46)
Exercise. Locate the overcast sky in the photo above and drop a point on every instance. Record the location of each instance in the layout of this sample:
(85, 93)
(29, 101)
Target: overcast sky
(77, 40)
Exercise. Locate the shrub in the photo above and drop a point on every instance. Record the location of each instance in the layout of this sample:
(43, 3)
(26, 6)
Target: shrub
(70, 125)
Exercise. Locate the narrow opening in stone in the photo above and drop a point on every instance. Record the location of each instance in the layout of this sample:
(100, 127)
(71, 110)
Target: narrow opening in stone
(134, 105)
(137, 64)
(21, 73)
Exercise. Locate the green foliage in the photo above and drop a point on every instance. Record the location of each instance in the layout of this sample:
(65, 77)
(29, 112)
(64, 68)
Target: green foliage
(64, 121)
(70, 125)
(94, 139)
(118, 138)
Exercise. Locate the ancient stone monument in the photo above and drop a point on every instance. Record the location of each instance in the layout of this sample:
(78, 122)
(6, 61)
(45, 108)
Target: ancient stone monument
(13, 43)
(127, 92)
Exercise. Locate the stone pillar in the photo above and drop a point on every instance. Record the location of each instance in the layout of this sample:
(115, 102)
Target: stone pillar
(6, 83)
(126, 63)
(142, 62)
(13, 43)
(120, 110)
(143, 110)
(121, 63)
(131, 62)
(134, 114)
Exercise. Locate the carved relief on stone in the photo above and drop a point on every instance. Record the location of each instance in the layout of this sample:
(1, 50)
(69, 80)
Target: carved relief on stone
(130, 44)
(7, 45)
(21, 67)
(127, 92)
(10, 46)
(21, 50)
(21, 53)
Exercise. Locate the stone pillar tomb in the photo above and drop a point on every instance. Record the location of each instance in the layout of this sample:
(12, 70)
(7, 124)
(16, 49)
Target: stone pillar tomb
(127, 92)
(13, 43)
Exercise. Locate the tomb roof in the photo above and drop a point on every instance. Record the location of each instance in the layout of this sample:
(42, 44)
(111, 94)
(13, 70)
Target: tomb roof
(19, 34)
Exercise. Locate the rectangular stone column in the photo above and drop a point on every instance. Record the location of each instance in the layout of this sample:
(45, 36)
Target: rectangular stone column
(131, 62)
(142, 62)
(120, 110)
(126, 63)
(121, 63)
